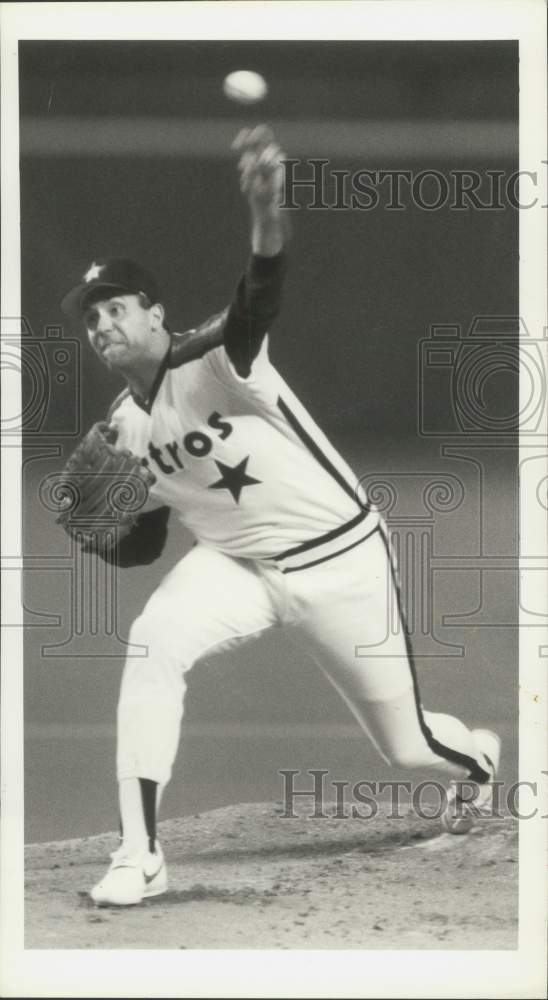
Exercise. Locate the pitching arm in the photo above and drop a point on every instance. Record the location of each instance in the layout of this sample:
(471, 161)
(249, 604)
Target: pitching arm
(253, 308)
(256, 302)
(257, 299)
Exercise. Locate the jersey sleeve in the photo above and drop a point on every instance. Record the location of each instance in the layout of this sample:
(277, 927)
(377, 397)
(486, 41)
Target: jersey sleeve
(254, 306)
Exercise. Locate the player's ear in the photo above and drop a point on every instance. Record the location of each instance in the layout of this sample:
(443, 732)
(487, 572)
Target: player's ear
(157, 314)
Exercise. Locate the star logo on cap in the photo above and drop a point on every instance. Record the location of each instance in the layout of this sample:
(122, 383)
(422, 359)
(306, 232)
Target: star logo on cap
(94, 271)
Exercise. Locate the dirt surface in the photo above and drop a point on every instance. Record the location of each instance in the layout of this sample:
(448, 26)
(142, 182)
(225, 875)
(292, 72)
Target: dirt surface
(246, 877)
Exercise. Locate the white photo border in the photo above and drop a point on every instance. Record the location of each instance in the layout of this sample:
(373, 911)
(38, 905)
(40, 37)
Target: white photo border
(519, 973)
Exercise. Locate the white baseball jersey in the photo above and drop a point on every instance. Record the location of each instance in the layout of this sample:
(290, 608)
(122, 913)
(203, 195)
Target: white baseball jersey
(242, 462)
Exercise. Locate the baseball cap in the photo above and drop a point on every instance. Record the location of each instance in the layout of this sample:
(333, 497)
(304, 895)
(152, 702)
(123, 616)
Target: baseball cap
(115, 275)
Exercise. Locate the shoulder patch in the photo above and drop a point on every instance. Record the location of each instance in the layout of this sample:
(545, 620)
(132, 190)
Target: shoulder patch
(117, 402)
(195, 343)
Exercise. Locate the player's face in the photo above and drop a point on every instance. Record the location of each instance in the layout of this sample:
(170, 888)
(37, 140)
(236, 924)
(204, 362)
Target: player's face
(121, 329)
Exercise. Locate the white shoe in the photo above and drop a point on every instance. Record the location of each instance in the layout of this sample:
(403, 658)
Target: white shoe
(131, 878)
(460, 814)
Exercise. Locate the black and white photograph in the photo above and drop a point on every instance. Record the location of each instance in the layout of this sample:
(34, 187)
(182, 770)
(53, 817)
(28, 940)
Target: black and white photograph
(274, 446)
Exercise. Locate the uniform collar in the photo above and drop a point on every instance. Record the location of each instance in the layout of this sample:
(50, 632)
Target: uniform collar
(147, 404)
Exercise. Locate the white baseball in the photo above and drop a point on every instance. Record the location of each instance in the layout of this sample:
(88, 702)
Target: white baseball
(245, 87)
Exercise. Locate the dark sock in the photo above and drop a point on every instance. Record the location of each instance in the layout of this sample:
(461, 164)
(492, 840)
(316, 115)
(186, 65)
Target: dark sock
(148, 794)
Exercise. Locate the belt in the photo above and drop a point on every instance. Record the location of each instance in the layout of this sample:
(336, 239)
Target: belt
(329, 545)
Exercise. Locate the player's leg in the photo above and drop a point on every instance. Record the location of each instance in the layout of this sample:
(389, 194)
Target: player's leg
(348, 618)
(207, 602)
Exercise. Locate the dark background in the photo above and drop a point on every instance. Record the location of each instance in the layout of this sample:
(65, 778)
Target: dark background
(362, 286)
(125, 150)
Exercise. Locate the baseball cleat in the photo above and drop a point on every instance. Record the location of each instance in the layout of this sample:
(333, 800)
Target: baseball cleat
(460, 813)
(131, 878)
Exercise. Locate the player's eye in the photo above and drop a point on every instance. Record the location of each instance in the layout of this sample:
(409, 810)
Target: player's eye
(90, 320)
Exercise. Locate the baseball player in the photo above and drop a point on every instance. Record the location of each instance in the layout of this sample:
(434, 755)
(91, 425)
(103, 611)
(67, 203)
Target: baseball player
(285, 536)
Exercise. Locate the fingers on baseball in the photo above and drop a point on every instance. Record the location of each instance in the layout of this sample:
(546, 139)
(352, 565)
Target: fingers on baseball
(269, 158)
(240, 142)
(253, 138)
(260, 167)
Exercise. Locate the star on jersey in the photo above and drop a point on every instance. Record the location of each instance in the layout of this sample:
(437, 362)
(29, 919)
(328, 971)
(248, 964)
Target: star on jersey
(94, 271)
(233, 478)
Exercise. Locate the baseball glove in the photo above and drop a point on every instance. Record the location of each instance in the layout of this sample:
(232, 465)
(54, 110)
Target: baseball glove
(102, 490)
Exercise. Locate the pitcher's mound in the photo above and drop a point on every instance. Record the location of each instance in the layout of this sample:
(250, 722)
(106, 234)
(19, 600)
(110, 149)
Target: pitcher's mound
(246, 876)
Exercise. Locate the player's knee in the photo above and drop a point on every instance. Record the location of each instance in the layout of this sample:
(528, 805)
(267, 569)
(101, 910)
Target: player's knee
(154, 639)
(145, 630)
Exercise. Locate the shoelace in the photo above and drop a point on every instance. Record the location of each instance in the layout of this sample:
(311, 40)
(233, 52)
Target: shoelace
(120, 856)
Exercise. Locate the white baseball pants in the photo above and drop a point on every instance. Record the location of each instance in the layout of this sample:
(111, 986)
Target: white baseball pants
(210, 601)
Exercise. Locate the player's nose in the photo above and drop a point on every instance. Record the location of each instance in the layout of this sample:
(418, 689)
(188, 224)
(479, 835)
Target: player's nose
(103, 322)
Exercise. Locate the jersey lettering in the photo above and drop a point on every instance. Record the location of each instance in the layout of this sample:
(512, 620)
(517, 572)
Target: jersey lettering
(173, 449)
(197, 444)
(156, 454)
(216, 421)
